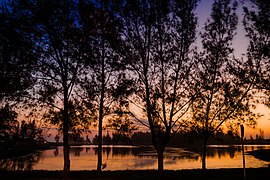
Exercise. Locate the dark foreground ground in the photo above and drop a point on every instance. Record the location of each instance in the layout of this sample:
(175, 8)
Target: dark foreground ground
(212, 174)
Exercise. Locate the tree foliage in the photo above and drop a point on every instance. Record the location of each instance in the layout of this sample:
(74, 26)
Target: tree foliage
(256, 23)
(51, 26)
(157, 36)
(223, 94)
(121, 125)
(16, 57)
(83, 61)
(8, 122)
(79, 119)
(102, 62)
(12, 130)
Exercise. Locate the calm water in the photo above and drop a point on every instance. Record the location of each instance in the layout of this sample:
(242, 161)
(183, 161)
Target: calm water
(135, 158)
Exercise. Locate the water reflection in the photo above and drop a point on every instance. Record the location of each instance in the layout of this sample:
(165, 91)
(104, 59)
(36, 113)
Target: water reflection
(135, 157)
(76, 151)
(56, 152)
(223, 151)
(123, 151)
(21, 163)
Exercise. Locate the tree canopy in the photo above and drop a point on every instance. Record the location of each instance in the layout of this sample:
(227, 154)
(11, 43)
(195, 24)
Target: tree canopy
(86, 61)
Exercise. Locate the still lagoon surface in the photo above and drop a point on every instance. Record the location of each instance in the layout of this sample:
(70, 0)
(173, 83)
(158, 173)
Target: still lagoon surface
(136, 158)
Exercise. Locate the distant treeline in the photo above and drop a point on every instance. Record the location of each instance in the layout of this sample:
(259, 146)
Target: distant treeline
(179, 139)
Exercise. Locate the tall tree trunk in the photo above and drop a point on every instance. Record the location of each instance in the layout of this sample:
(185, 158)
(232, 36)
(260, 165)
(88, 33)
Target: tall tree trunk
(160, 152)
(99, 165)
(66, 106)
(65, 134)
(204, 150)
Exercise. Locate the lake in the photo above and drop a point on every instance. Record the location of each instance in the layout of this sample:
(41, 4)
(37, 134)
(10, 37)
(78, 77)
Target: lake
(135, 158)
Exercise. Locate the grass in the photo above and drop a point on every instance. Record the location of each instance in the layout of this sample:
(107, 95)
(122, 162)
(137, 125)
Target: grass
(262, 154)
(211, 174)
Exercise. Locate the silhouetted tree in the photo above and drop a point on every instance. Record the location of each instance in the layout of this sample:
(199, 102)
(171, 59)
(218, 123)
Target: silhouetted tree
(55, 23)
(29, 132)
(141, 138)
(257, 25)
(8, 123)
(122, 139)
(223, 96)
(107, 139)
(51, 26)
(104, 69)
(122, 128)
(16, 56)
(79, 120)
(158, 37)
(121, 125)
(11, 131)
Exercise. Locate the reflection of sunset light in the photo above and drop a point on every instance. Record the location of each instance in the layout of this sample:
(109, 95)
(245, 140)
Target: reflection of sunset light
(135, 158)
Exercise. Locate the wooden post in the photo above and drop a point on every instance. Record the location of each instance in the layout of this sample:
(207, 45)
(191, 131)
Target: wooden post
(243, 151)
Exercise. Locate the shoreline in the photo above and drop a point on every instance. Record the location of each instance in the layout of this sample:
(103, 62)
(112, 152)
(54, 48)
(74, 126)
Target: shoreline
(24, 150)
(232, 174)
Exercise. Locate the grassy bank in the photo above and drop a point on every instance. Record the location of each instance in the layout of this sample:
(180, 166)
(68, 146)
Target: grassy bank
(212, 174)
(22, 149)
(262, 154)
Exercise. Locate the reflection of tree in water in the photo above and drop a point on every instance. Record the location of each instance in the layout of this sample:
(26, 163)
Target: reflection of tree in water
(178, 154)
(260, 147)
(20, 163)
(116, 151)
(223, 151)
(218, 151)
(172, 153)
(56, 152)
(76, 150)
(121, 151)
(107, 151)
(232, 151)
(142, 152)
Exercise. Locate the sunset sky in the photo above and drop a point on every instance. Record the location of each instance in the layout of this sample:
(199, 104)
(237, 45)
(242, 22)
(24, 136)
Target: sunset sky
(240, 45)
(136, 87)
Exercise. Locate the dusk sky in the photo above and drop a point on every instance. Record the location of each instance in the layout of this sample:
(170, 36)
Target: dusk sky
(132, 86)
(240, 45)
